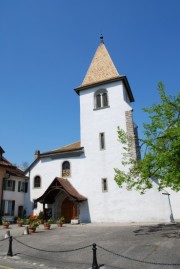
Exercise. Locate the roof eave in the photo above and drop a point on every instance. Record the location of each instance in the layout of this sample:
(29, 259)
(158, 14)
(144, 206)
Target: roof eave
(65, 153)
(119, 78)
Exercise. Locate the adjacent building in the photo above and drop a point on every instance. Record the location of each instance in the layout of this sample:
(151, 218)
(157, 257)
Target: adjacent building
(13, 187)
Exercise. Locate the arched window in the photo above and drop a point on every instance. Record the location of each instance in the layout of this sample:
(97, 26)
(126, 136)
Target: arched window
(104, 99)
(37, 182)
(101, 99)
(66, 169)
(98, 101)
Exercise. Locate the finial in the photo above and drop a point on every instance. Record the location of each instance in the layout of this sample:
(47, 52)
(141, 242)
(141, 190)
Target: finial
(101, 39)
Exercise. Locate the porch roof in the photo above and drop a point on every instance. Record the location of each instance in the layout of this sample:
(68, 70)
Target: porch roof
(60, 184)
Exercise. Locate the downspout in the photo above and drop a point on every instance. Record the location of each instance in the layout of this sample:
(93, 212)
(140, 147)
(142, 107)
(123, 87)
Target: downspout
(169, 201)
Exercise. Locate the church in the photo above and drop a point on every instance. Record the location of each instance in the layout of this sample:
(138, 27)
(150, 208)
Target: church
(77, 181)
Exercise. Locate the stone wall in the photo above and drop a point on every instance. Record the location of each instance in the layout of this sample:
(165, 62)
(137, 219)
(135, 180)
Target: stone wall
(133, 133)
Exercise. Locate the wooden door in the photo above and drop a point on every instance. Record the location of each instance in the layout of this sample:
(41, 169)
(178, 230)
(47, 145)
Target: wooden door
(68, 210)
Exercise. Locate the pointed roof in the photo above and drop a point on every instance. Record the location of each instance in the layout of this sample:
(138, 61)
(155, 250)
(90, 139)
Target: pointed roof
(60, 184)
(102, 70)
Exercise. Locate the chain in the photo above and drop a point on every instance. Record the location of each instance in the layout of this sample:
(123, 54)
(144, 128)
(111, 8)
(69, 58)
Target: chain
(55, 251)
(3, 239)
(137, 260)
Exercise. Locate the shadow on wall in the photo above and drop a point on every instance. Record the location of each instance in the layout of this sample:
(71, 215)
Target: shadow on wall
(84, 212)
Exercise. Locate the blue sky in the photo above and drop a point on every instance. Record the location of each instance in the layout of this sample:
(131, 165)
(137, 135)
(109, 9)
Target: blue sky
(46, 48)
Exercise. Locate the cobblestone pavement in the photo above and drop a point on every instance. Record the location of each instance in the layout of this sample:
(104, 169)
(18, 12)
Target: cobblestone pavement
(70, 247)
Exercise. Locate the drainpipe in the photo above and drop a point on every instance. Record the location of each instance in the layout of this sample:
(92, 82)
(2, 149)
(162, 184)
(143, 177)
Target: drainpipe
(169, 201)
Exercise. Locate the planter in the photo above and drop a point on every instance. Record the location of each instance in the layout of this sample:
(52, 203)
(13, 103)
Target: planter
(32, 230)
(75, 221)
(47, 226)
(59, 224)
(19, 223)
(5, 226)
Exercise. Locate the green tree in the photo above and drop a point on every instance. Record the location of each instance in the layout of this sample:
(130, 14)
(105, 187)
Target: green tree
(160, 148)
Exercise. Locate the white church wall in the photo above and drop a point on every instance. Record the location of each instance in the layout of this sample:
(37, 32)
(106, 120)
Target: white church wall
(116, 204)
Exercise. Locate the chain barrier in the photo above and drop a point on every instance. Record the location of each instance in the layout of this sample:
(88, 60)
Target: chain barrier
(95, 265)
(55, 251)
(138, 260)
(3, 239)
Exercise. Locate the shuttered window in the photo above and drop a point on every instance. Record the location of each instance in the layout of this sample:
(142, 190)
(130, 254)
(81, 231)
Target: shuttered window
(9, 185)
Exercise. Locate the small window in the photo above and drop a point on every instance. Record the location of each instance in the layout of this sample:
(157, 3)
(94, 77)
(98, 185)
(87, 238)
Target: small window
(101, 99)
(21, 186)
(102, 141)
(66, 169)
(104, 185)
(9, 185)
(34, 204)
(8, 207)
(37, 182)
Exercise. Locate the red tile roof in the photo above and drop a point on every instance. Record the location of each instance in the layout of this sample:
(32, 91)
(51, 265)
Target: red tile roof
(57, 185)
(75, 145)
(10, 168)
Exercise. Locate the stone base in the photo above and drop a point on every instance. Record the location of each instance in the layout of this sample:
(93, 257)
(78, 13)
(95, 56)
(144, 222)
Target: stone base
(75, 221)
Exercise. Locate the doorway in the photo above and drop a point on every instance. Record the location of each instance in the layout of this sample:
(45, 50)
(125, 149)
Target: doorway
(68, 210)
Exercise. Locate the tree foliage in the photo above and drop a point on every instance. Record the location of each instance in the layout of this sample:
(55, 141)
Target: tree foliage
(160, 148)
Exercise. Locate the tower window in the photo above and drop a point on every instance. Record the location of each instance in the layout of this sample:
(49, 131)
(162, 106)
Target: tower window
(104, 185)
(98, 100)
(101, 99)
(102, 141)
(104, 99)
(37, 182)
(66, 169)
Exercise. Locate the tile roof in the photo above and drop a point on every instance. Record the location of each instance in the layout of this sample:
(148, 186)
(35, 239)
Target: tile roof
(15, 172)
(10, 168)
(70, 189)
(57, 185)
(72, 146)
(5, 163)
(101, 68)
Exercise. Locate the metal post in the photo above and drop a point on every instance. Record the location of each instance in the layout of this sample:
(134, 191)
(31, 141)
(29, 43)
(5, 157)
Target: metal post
(10, 253)
(94, 264)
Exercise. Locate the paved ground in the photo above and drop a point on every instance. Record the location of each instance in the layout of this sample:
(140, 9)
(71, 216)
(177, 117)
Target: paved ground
(120, 247)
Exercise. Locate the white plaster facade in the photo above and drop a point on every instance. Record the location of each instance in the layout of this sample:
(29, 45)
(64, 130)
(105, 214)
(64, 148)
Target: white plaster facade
(90, 167)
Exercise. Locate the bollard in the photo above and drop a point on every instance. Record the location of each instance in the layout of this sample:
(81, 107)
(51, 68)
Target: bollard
(7, 234)
(26, 230)
(10, 253)
(95, 264)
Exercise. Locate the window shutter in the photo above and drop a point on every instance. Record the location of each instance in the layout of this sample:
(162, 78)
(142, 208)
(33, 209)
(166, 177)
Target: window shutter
(19, 186)
(3, 204)
(14, 182)
(4, 184)
(13, 207)
(26, 186)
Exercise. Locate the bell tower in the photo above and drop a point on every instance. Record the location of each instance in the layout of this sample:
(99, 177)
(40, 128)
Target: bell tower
(105, 98)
